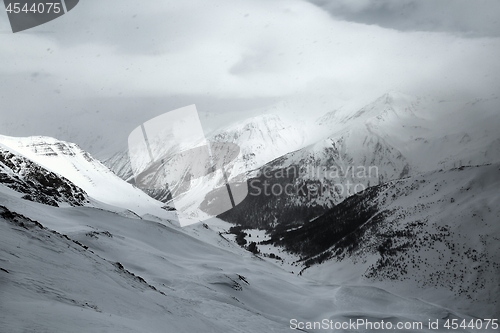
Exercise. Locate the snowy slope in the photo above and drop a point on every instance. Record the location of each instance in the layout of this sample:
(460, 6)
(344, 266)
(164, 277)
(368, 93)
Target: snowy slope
(434, 234)
(36, 183)
(52, 284)
(71, 162)
(430, 134)
(261, 140)
(119, 163)
(105, 272)
(435, 135)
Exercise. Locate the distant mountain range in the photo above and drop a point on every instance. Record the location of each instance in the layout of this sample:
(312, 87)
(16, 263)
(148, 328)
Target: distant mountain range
(393, 137)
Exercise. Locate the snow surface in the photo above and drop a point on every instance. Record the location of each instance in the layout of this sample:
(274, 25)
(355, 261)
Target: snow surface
(48, 283)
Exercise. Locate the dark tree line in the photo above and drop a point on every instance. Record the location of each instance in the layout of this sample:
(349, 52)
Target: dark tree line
(340, 226)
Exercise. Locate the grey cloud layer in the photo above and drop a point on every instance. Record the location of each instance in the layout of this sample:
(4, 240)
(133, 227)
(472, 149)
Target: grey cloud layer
(476, 18)
(124, 50)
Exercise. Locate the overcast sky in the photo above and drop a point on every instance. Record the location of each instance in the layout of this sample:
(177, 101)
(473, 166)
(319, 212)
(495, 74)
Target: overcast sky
(122, 61)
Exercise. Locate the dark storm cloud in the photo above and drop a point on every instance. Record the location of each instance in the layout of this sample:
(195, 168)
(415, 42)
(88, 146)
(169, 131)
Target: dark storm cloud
(478, 18)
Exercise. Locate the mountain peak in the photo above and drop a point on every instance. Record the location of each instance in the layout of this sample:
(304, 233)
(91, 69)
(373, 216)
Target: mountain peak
(396, 96)
(42, 146)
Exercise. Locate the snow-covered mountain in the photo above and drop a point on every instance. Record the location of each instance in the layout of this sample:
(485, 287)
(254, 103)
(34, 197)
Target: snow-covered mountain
(435, 135)
(69, 162)
(36, 183)
(409, 225)
(435, 234)
(431, 134)
(317, 177)
(89, 269)
(394, 136)
(259, 140)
